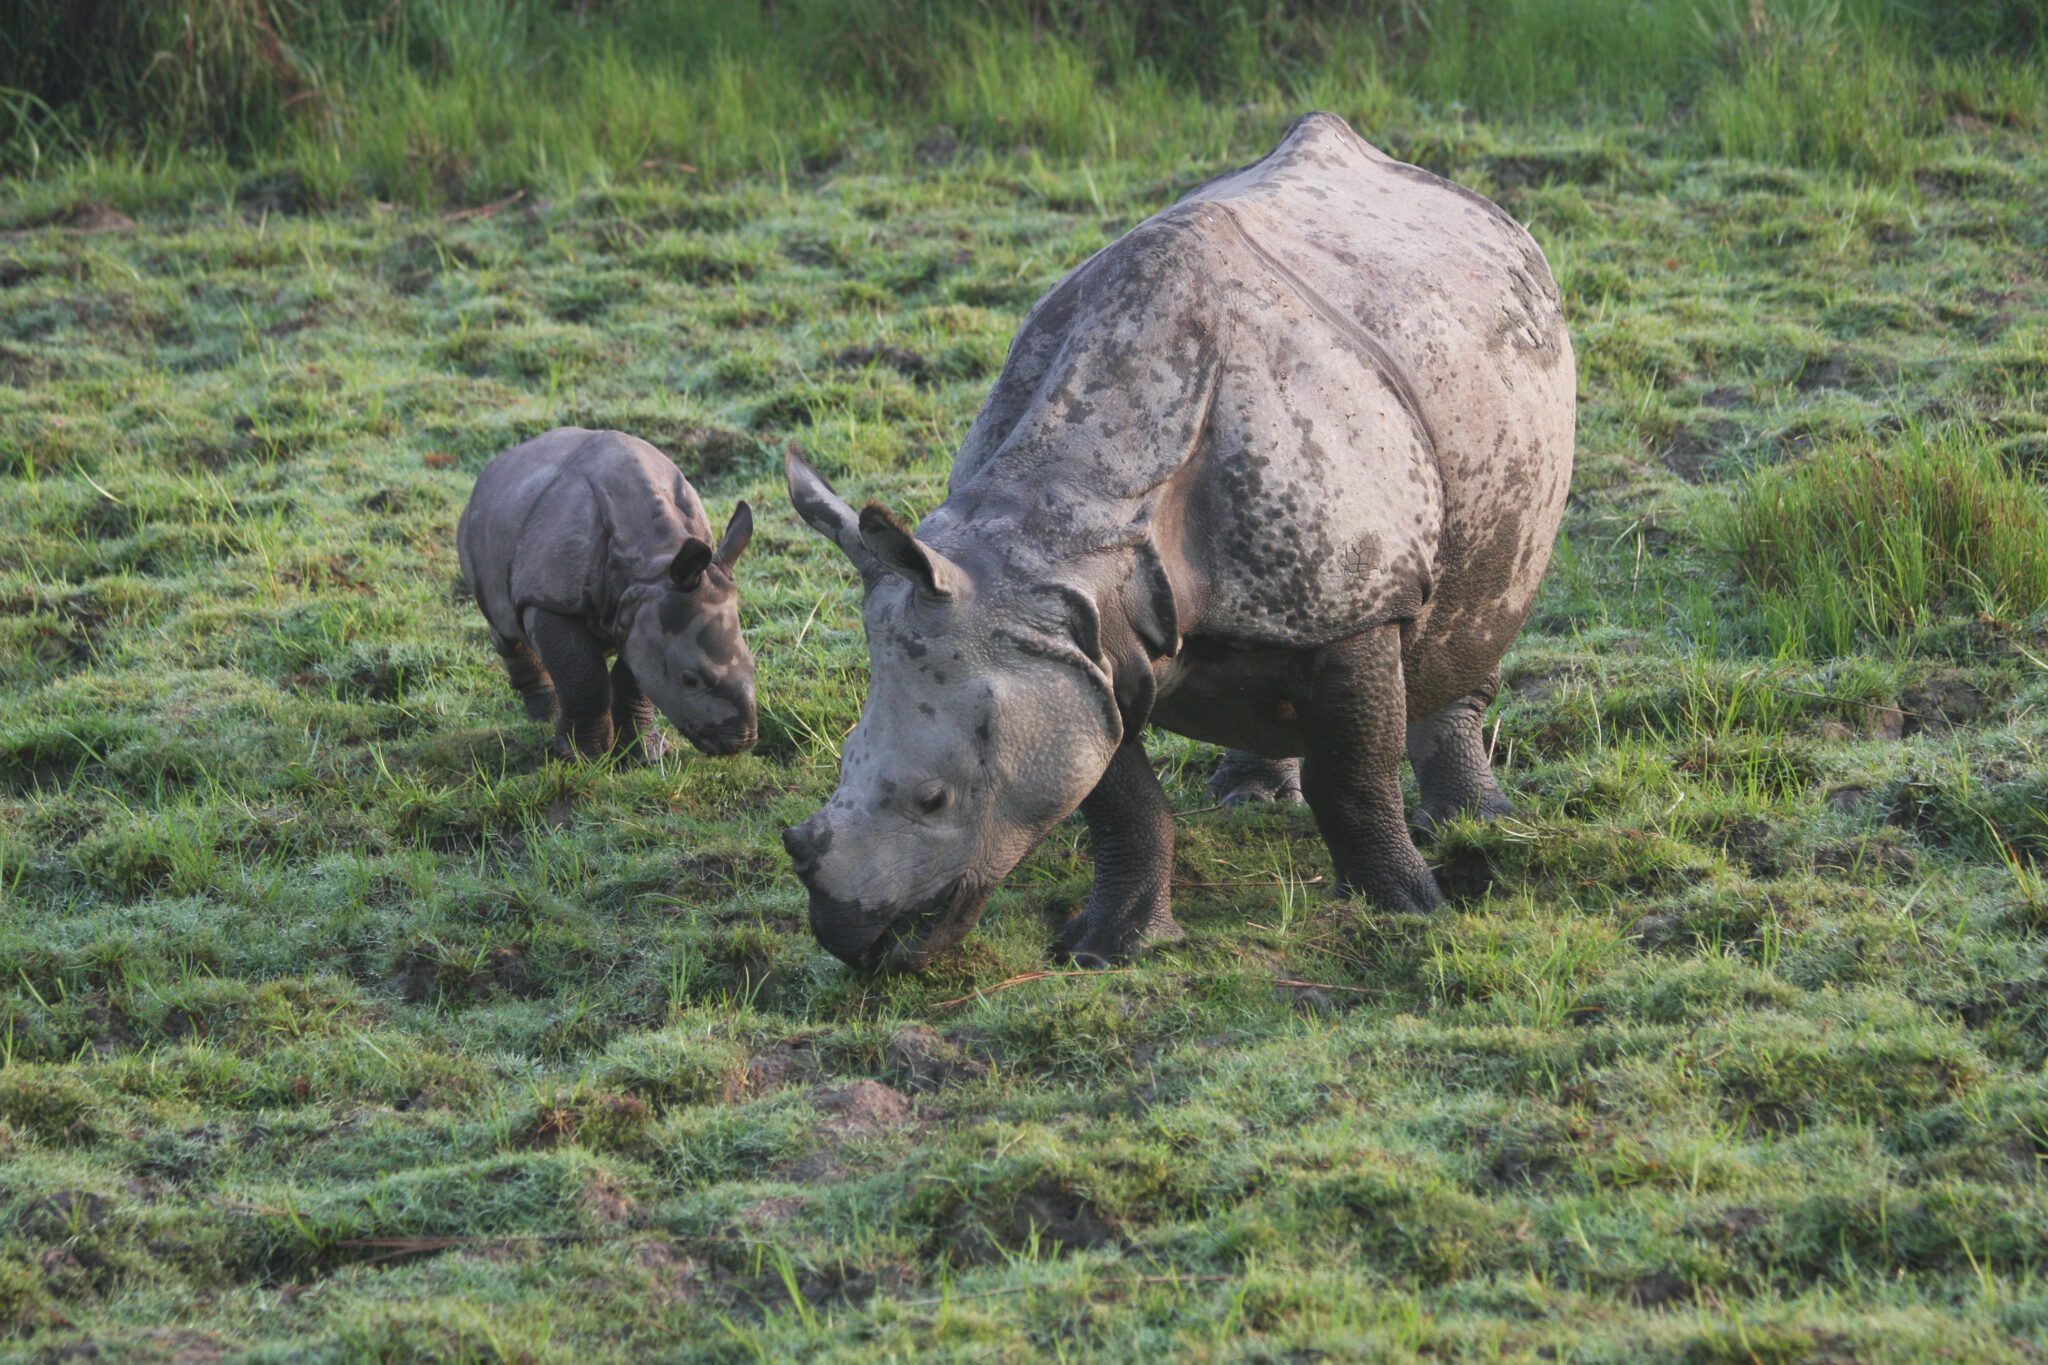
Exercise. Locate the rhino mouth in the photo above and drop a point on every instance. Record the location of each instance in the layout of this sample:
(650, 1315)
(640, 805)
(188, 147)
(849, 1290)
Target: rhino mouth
(725, 742)
(908, 939)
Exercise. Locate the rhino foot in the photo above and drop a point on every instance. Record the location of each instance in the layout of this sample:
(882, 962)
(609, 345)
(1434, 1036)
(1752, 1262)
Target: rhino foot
(1413, 893)
(1244, 777)
(1430, 818)
(1094, 939)
(540, 704)
(650, 746)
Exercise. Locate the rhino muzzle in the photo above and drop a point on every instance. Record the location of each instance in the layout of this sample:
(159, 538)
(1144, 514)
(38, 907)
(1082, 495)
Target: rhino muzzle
(883, 938)
(721, 741)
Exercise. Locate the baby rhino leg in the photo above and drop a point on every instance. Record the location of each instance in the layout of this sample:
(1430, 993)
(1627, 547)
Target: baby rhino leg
(575, 659)
(1243, 776)
(529, 679)
(635, 733)
(1448, 752)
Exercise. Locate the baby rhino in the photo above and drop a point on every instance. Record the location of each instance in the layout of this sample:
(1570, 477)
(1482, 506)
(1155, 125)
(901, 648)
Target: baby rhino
(579, 544)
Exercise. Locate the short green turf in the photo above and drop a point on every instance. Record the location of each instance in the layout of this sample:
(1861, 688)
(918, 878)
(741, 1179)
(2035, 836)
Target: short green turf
(338, 1022)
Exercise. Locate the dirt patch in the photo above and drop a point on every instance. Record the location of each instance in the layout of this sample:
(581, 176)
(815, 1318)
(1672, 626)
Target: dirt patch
(1849, 800)
(1940, 702)
(1695, 452)
(1878, 855)
(768, 1212)
(861, 1109)
(1751, 842)
(605, 1204)
(901, 359)
(1848, 371)
(64, 1213)
(285, 195)
(98, 217)
(781, 1065)
(1660, 1289)
(678, 1278)
(920, 1059)
(1051, 1214)
(939, 148)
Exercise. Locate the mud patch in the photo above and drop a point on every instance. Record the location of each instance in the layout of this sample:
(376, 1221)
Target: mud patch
(97, 217)
(781, 1065)
(901, 359)
(65, 1213)
(1849, 371)
(1051, 1215)
(1697, 453)
(1940, 702)
(1876, 856)
(920, 1059)
(862, 1109)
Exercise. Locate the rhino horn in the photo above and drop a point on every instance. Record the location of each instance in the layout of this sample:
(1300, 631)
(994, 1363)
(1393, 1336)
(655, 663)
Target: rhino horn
(899, 551)
(738, 532)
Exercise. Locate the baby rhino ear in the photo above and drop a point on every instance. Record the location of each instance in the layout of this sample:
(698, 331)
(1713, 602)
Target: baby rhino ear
(686, 570)
(738, 532)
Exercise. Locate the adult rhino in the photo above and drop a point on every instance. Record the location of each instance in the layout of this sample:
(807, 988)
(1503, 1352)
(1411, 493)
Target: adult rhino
(1279, 469)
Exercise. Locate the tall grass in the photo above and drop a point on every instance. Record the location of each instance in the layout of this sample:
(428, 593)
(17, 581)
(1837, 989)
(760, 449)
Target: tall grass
(446, 98)
(1856, 545)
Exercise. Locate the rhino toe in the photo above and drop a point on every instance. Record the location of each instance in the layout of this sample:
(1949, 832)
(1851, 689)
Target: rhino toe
(1093, 941)
(1242, 778)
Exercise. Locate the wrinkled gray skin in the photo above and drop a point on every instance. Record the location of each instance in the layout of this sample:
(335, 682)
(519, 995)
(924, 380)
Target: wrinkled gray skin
(1280, 469)
(579, 544)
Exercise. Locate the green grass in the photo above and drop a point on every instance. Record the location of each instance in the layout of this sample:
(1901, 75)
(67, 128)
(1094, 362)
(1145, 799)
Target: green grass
(1867, 544)
(336, 1022)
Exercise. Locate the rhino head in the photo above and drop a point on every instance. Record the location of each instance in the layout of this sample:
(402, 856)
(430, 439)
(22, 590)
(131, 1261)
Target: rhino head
(684, 646)
(988, 718)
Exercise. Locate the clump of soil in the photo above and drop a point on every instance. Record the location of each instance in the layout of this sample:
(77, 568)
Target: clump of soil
(861, 1109)
(1940, 702)
(921, 1059)
(901, 359)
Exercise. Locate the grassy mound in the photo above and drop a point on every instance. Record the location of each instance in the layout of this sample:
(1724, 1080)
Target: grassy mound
(1870, 544)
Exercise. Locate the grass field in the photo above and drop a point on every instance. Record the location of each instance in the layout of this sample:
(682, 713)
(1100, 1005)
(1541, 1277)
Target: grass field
(337, 1022)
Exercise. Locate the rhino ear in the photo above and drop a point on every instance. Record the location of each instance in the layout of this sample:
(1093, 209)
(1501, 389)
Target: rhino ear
(824, 511)
(738, 532)
(898, 550)
(686, 570)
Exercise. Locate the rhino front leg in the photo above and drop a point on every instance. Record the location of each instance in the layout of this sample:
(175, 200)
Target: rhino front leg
(635, 733)
(1352, 774)
(529, 679)
(1448, 751)
(575, 658)
(1131, 827)
(1243, 777)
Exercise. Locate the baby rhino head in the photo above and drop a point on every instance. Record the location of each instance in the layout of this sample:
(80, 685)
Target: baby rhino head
(686, 650)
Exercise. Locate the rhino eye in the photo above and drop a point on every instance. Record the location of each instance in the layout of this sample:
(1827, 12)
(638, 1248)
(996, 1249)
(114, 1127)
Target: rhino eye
(934, 799)
(690, 681)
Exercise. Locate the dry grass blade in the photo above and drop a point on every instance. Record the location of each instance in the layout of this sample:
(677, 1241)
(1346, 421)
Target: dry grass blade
(1025, 979)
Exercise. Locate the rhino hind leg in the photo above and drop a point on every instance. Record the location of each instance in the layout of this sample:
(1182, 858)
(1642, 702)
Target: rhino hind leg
(1244, 777)
(635, 734)
(1352, 774)
(1448, 752)
(1130, 825)
(575, 659)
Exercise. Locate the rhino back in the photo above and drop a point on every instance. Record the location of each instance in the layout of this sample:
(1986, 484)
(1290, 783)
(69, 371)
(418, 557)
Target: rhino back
(1333, 389)
(567, 520)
